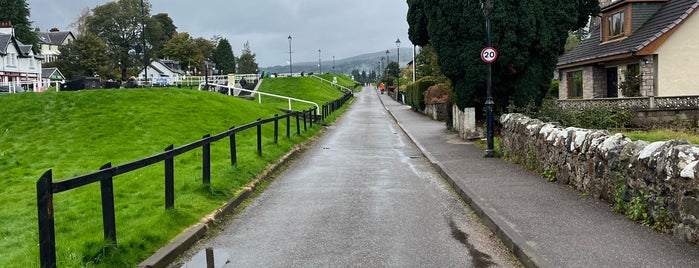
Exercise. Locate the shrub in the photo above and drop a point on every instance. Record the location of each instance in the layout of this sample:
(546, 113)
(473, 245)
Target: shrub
(416, 92)
(438, 93)
(593, 117)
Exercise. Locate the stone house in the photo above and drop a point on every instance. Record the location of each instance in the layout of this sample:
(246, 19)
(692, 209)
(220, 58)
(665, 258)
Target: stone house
(51, 41)
(19, 63)
(636, 48)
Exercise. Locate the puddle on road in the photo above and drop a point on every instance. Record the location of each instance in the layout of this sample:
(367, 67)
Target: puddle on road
(479, 259)
(221, 258)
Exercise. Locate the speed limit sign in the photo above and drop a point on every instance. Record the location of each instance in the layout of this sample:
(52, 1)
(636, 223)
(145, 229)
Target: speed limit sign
(489, 54)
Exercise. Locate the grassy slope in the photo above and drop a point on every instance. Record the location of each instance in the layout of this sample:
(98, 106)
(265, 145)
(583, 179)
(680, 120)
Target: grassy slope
(342, 80)
(75, 133)
(294, 87)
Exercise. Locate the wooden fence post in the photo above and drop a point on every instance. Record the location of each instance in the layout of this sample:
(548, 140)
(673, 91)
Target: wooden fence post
(108, 218)
(298, 124)
(206, 160)
(47, 231)
(276, 129)
(259, 136)
(234, 153)
(169, 180)
(288, 125)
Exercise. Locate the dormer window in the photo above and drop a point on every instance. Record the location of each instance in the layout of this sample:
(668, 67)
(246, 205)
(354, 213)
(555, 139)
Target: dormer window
(616, 22)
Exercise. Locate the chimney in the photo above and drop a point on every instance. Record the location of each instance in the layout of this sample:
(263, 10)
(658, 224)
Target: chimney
(6, 28)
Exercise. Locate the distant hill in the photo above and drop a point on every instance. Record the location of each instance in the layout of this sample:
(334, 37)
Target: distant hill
(363, 62)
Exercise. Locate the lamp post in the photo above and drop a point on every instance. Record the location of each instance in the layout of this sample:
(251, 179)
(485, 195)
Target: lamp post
(383, 71)
(143, 37)
(333, 64)
(320, 67)
(291, 73)
(398, 61)
(489, 103)
(388, 60)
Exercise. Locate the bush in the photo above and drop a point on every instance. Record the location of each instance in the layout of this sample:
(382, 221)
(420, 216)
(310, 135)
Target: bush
(438, 93)
(416, 92)
(594, 117)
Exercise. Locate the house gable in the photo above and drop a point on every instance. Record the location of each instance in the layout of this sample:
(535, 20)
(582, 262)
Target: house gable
(679, 58)
(657, 28)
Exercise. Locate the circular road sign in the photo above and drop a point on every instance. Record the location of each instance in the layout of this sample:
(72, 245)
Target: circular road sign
(489, 54)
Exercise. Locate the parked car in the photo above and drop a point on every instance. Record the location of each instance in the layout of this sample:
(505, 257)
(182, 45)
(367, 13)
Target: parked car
(161, 82)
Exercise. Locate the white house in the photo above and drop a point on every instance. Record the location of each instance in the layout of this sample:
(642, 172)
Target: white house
(163, 70)
(52, 41)
(19, 64)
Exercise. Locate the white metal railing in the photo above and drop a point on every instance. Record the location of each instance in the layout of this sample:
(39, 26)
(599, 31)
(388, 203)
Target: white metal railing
(329, 82)
(29, 86)
(260, 94)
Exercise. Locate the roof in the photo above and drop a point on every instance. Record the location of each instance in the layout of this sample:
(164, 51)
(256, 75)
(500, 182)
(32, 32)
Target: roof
(53, 38)
(668, 17)
(47, 72)
(5, 40)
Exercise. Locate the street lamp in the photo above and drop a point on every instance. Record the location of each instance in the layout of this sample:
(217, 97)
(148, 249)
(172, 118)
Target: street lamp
(383, 70)
(398, 61)
(388, 60)
(320, 67)
(143, 37)
(291, 73)
(333, 64)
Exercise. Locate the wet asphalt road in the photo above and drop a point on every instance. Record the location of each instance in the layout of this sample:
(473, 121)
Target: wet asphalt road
(364, 196)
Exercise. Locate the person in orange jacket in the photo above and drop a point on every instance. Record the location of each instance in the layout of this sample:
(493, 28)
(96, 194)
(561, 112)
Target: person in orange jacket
(382, 87)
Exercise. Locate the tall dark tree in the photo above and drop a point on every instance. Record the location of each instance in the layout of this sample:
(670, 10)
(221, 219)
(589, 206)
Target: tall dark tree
(529, 36)
(159, 30)
(247, 63)
(17, 13)
(224, 58)
(118, 24)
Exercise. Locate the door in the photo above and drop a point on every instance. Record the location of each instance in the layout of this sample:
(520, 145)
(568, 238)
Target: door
(612, 82)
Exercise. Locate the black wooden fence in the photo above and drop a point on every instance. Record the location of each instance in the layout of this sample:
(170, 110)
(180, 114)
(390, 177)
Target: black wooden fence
(46, 188)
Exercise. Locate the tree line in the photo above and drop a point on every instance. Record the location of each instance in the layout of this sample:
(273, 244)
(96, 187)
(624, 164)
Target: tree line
(110, 41)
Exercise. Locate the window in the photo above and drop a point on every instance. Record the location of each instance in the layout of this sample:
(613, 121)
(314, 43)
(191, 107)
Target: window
(615, 23)
(575, 84)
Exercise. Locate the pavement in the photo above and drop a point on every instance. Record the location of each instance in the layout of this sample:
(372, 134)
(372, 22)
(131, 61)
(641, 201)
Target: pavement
(544, 224)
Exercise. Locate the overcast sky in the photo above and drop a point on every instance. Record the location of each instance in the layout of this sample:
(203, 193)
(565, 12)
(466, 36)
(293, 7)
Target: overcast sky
(339, 28)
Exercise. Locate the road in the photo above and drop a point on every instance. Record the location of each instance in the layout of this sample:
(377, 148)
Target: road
(363, 196)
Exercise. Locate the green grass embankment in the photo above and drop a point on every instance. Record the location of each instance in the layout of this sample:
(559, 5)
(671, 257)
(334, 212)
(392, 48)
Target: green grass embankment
(297, 87)
(74, 133)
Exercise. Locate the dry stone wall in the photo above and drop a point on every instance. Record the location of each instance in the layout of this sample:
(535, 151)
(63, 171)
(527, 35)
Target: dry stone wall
(655, 183)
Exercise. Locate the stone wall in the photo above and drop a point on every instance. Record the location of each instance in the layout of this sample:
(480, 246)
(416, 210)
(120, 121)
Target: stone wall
(658, 181)
(436, 111)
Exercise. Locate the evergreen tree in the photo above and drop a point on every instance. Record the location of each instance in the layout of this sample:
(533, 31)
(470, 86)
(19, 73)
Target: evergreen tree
(529, 36)
(247, 63)
(17, 13)
(224, 58)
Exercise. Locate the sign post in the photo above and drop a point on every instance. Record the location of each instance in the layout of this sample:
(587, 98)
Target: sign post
(489, 55)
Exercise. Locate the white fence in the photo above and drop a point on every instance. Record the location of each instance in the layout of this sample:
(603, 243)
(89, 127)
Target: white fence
(27, 86)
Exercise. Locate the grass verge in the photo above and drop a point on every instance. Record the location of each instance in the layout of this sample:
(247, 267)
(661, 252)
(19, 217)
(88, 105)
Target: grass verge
(74, 133)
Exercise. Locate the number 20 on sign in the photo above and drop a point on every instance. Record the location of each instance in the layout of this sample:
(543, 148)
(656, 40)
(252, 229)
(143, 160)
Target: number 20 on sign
(489, 54)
